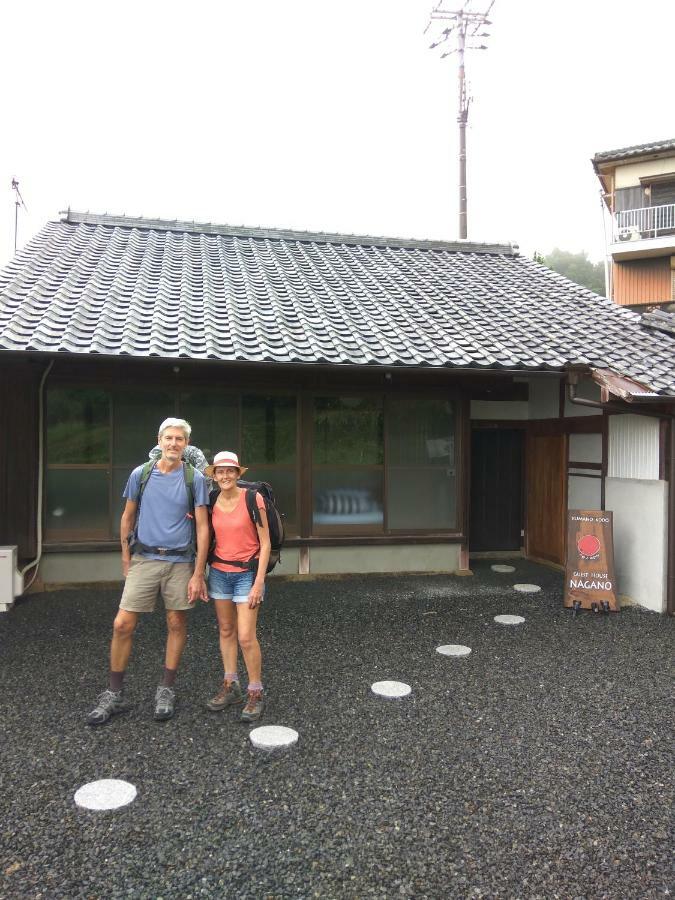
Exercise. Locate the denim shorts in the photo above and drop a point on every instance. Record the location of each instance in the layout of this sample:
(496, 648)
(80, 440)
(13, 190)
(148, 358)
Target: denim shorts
(230, 585)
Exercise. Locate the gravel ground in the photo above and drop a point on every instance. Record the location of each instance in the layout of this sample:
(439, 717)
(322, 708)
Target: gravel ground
(538, 766)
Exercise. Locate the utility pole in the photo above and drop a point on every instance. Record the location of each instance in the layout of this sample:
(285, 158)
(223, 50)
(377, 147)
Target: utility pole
(464, 29)
(18, 201)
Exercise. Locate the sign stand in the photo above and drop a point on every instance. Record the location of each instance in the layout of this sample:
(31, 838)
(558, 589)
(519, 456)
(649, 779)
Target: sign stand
(589, 573)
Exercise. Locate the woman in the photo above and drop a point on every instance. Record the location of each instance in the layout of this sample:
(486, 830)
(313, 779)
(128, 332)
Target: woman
(237, 590)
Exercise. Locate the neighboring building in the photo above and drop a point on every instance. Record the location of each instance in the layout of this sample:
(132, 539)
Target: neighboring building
(639, 191)
(410, 401)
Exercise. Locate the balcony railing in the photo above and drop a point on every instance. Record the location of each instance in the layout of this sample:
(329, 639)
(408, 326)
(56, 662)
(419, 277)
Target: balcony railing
(645, 223)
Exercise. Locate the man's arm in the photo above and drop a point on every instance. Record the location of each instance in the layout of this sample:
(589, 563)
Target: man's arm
(197, 587)
(127, 523)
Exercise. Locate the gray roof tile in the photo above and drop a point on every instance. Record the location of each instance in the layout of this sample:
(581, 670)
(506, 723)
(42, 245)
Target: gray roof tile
(636, 150)
(116, 286)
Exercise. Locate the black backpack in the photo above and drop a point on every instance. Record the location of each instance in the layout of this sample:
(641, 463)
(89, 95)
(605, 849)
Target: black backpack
(275, 521)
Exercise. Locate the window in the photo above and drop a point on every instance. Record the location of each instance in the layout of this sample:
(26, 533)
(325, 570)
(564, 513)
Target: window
(78, 427)
(663, 192)
(214, 417)
(78, 453)
(629, 198)
(348, 450)
(268, 448)
(379, 464)
(136, 415)
(421, 470)
(96, 437)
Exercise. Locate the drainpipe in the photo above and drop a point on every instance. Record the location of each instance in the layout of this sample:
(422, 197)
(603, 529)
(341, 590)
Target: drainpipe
(41, 476)
(670, 417)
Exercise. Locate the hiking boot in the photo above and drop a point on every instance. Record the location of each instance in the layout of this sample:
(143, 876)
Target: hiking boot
(254, 707)
(228, 695)
(165, 703)
(108, 704)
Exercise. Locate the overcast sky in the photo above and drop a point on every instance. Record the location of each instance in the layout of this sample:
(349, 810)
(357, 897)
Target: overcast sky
(327, 116)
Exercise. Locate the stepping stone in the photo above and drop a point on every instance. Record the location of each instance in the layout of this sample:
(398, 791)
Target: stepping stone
(527, 588)
(509, 620)
(391, 688)
(504, 569)
(108, 793)
(453, 650)
(272, 737)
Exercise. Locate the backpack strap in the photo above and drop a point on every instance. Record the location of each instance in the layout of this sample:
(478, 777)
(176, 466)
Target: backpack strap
(189, 479)
(252, 507)
(145, 476)
(254, 513)
(251, 564)
(146, 471)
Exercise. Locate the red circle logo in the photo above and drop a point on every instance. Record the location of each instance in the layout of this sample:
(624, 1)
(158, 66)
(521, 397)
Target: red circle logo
(588, 545)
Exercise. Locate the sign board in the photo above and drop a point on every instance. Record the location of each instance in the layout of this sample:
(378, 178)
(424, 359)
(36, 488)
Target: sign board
(589, 572)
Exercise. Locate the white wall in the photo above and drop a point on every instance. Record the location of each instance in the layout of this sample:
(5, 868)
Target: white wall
(640, 510)
(629, 175)
(584, 493)
(543, 403)
(585, 448)
(584, 486)
(499, 409)
(639, 502)
(587, 390)
(544, 398)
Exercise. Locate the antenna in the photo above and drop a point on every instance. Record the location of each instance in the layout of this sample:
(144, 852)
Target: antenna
(462, 33)
(18, 201)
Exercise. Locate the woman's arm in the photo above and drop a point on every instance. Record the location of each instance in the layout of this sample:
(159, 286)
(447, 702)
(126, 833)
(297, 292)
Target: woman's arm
(256, 592)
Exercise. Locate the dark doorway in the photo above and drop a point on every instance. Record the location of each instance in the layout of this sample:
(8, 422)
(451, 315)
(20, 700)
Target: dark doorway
(496, 489)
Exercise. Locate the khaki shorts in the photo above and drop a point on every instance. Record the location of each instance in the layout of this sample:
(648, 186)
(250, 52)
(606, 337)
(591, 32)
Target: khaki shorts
(149, 577)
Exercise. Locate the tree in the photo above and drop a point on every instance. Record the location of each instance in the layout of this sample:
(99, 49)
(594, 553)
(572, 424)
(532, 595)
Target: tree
(577, 267)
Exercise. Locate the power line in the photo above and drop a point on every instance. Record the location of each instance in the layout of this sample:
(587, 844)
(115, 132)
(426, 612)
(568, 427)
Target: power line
(462, 33)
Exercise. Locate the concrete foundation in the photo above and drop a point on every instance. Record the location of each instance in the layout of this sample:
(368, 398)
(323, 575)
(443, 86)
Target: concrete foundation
(90, 568)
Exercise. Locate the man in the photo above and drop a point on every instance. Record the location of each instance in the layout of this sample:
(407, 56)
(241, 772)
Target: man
(164, 546)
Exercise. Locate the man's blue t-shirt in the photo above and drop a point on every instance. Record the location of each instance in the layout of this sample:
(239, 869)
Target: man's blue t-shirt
(163, 519)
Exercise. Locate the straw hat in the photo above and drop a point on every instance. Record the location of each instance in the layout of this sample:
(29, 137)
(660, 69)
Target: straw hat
(225, 458)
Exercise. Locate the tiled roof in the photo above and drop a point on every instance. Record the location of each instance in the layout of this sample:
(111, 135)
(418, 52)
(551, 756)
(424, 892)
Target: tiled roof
(116, 286)
(661, 319)
(637, 150)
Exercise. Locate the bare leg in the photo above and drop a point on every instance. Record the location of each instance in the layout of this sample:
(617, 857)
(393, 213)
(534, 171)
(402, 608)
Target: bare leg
(248, 641)
(122, 639)
(227, 634)
(176, 625)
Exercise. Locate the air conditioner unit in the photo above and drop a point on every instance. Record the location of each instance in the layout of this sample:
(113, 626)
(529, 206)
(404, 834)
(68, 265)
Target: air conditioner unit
(629, 234)
(11, 580)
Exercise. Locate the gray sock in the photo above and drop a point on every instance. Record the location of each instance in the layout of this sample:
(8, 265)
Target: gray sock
(169, 677)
